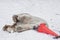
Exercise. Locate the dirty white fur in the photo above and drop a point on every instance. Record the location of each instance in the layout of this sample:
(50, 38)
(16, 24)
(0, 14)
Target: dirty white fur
(30, 19)
(28, 22)
(10, 30)
(25, 22)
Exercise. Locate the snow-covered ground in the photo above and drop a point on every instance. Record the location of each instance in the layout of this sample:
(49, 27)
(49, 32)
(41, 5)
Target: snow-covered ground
(49, 10)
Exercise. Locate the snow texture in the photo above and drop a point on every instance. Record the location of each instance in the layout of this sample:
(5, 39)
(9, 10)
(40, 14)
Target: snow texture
(48, 10)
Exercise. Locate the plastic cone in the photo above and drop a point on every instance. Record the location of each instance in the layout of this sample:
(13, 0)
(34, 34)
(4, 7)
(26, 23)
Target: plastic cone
(44, 29)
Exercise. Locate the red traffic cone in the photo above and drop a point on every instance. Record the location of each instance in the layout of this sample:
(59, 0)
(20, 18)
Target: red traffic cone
(44, 29)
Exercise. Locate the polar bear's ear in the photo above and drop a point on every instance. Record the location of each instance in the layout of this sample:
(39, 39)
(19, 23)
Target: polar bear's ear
(15, 18)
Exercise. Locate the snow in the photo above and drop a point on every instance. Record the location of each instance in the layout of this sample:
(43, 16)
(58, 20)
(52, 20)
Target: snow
(49, 10)
(27, 35)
